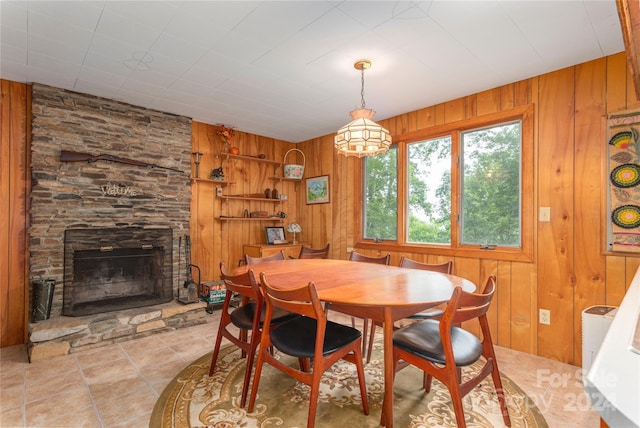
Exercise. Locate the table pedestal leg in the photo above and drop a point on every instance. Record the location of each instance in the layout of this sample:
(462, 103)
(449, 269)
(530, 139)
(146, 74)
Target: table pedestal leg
(386, 418)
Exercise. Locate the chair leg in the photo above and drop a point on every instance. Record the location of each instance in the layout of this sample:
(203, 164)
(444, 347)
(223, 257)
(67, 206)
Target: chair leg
(365, 328)
(497, 383)
(256, 382)
(456, 401)
(357, 360)
(372, 336)
(243, 335)
(313, 398)
(247, 371)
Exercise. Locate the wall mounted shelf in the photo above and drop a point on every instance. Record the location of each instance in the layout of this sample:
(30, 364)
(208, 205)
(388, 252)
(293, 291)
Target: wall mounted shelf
(277, 178)
(249, 198)
(276, 219)
(251, 159)
(208, 180)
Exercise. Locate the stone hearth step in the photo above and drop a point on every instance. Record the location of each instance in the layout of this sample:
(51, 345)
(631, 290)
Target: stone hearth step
(65, 335)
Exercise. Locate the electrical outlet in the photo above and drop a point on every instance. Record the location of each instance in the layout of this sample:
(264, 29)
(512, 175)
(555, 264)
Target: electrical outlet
(349, 249)
(545, 316)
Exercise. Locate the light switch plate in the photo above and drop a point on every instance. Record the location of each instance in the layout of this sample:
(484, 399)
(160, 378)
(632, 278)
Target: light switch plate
(544, 214)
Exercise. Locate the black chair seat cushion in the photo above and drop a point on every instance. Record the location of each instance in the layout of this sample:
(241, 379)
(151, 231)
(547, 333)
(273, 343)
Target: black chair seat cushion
(242, 317)
(297, 337)
(423, 339)
(429, 313)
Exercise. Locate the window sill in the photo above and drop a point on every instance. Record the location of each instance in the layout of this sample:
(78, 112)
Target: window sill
(507, 254)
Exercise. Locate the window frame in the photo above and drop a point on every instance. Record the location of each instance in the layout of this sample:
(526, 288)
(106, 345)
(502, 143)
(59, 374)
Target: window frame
(525, 252)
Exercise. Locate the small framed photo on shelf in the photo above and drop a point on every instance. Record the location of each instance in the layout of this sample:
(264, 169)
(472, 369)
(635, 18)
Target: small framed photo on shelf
(318, 190)
(275, 235)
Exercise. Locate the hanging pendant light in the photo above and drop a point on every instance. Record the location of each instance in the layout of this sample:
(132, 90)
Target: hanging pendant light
(362, 136)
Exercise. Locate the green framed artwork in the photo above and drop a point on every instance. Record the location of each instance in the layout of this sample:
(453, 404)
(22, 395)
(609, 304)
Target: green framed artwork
(318, 190)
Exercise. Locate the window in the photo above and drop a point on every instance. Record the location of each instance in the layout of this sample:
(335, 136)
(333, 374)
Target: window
(490, 201)
(381, 196)
(456, 188)
(429, 191)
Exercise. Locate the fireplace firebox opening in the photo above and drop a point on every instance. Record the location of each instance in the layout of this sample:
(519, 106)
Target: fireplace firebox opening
(111, 269)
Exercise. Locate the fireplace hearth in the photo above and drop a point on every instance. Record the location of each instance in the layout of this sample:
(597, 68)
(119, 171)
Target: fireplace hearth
(112, 269)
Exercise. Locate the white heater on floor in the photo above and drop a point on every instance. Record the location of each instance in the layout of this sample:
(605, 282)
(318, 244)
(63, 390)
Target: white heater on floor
(595, 324)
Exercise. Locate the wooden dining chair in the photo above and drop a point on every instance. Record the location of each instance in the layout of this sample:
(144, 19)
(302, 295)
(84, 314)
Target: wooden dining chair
(357, 257)
(249, 260)
(314, 253)
(440, 347)
(248, 318)
(309, 336)
(430, 313)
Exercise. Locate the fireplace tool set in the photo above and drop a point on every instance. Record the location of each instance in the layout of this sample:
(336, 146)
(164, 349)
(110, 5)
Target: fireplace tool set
(190, 294)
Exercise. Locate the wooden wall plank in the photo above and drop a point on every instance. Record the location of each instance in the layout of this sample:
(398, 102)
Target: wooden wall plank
(454, 110)
(555, 246)
(616, 83)
(589, 181)
(489, 101)
(523, 298)
(616, 280)
(502, 333)
(14, 184)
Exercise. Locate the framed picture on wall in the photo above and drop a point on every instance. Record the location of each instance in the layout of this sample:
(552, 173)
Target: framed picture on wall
(275, 235)
(318, 190)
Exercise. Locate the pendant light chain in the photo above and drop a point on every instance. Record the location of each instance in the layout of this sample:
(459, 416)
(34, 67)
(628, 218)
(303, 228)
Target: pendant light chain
(362, 88)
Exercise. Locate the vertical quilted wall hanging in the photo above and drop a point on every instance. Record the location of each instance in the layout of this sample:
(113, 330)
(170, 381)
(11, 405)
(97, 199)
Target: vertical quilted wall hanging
(624, 181)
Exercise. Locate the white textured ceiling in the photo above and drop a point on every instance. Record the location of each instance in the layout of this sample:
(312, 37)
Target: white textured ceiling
(284, 69)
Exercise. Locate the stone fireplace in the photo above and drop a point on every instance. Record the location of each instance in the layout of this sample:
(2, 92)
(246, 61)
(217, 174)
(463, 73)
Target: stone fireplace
(115, 226)
(110, 269)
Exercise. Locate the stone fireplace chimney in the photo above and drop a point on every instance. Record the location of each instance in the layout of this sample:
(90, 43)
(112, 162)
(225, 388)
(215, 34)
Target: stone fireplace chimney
(105, 195)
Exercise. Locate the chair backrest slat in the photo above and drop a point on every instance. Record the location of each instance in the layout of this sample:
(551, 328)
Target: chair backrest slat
(244, 284)
(314, 253)
(446, 267)
(300, 300)
(249, 260)
(357, 257)
(464, 306)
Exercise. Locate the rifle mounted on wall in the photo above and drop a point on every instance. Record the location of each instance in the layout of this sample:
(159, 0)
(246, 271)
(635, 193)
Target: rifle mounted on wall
(70, 156)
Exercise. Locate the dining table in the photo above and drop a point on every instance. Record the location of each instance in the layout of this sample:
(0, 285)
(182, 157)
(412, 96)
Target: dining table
(380, 292)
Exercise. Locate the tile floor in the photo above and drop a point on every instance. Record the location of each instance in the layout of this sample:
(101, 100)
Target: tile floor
(117, 385)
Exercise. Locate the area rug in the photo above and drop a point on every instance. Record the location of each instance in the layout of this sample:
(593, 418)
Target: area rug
(193, 399)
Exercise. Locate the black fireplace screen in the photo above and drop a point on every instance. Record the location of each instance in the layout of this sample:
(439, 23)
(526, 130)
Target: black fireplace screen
(112, 269)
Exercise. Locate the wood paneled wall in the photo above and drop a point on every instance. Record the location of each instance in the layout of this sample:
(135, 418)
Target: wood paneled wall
(15, 109)
(215, 241)
(571, 270)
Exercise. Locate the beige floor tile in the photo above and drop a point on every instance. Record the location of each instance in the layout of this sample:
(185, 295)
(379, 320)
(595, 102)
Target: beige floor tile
(11, 397)
(124, 407)
(12, 417)
(107, 390)
(11, 376)
(193, 349)
(110, 370)
(41, 412)
(145, 357)
(98, 356)
(37, 388)
(80, 418)
(16, 353)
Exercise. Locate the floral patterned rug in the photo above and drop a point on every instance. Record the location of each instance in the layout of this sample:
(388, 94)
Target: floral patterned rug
(193, 399)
